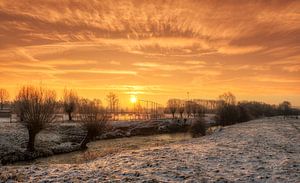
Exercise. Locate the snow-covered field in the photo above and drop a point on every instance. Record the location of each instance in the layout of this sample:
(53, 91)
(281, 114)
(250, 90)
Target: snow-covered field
(265, 150)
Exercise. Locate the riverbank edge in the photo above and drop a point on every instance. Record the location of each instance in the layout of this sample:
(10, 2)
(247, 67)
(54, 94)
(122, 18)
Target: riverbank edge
(136, 129)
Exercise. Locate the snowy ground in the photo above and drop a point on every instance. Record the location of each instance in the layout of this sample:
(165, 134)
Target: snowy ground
(62, 137)
(265, 150)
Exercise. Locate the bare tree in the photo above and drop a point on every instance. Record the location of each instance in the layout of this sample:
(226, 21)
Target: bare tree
(113, 103)
(38, 107)
(201, 111)
(228, 98)
(172, 105)
(4, 95)
(93, 118)
(285, 108)
(195, 108)
(188, 108)
(181, 109)
(70, 100)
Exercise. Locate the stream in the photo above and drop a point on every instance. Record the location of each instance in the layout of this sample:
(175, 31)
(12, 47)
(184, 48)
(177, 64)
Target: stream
(102, 148)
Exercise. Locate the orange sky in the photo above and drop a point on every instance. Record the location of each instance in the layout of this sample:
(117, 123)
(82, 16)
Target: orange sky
(155, 49)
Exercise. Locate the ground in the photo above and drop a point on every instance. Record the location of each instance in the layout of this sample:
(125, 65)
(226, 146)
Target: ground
(265, 150)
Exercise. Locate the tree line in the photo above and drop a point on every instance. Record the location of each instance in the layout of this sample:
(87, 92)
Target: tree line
(228, 110)
(37, 107)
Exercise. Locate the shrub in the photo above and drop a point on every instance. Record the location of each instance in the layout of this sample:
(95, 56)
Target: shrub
(198, 127)
(93, 118)
(227, 114)
(4, 95)
(285, 108)
(37, 107)
(176, 126)
(244, 114)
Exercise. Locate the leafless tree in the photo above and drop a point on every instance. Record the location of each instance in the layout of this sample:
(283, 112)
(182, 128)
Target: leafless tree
(188, 108)
(93, 118)
(4, 95)
(113, 103)
(38, 107)
(228, 98)
(201, 111)
(70, 100)
(172, 105)
(195, 108)
(285, 108)
(181, 109)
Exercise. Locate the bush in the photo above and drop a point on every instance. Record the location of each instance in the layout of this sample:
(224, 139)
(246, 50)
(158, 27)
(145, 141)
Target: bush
(198, 127)
(93, 118)
(244, 114)
(177, 125)
(227, 114)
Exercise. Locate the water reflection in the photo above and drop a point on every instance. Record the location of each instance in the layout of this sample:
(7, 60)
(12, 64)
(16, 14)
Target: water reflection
(102, 148)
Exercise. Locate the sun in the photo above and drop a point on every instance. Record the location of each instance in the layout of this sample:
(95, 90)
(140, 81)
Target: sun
(133, 99)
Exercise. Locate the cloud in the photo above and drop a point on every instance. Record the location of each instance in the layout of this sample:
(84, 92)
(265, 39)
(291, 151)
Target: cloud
(158, 43)
(239, 50)
(293, 68)
(165, 67)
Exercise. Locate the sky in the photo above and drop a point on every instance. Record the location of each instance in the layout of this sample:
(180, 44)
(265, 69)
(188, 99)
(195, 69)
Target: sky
(155, 50)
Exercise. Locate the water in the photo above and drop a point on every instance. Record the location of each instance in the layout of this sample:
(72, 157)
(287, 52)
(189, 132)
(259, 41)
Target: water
(98, 149)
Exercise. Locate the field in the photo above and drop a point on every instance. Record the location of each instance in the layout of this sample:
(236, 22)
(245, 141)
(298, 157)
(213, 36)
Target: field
(264, 150)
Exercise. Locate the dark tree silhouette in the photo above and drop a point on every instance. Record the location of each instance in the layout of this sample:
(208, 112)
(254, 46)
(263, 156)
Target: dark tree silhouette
(113, 103)
(37, 106)
(188, 108)
(4, 95)
(93, 118)
(228, 98)
(285, 108)
(195, 108)
(172, 106)
(70, 100)
(227, 112)
(198, 127)
(201, 111)
(181, 109)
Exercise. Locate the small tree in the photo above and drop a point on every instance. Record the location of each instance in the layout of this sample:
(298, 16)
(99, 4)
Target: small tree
(37, 107)
(228, 98)
(198, 127)
(113, 103)
(4, 95)
(93, 119)
(244, 114)
(195, 108)
(285, 108)
(188, 108)
(70, 100)
(181, 109)
(227, 114)
(172, 105)
(201, 111)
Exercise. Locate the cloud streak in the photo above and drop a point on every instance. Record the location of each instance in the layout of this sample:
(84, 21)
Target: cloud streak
(215, 44)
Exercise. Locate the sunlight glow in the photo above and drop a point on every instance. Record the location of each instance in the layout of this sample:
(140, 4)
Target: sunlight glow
(133, 99)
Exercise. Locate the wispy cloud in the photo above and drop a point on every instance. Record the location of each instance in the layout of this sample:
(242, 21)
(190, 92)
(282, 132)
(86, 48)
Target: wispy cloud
(162, 43)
